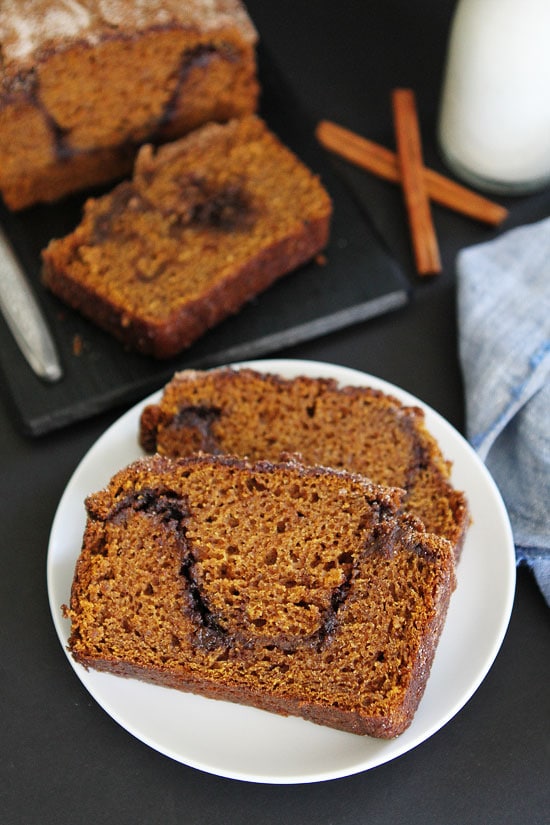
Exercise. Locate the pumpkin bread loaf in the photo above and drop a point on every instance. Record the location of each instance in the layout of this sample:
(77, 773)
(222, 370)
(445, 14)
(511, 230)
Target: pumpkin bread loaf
(294, 589)
(83, 84)
(360, 429)
(207, 223)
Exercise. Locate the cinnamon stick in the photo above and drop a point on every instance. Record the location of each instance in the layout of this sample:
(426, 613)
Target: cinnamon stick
(374, 158)
(409, 153)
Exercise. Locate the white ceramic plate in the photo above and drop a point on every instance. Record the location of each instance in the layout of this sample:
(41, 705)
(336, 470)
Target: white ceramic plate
(243, 743)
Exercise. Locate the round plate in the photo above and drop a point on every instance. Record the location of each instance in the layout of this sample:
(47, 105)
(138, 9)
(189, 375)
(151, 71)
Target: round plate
(248, 744)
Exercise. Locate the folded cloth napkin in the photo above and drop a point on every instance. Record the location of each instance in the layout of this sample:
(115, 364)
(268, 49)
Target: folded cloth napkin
(504, 346)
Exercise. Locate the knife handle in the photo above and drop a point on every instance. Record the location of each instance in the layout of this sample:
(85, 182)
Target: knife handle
(24, 316)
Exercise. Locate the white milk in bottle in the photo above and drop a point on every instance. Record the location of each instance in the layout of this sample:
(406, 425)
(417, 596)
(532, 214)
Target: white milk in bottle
(494, 122)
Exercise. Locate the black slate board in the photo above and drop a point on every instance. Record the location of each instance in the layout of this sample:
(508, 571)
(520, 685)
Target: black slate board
(358, 281)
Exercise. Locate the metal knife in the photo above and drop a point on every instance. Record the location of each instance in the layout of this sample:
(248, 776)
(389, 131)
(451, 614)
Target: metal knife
(24, 316)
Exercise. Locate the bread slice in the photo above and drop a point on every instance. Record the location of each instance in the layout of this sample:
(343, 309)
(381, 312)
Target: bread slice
(206, 224)
(294, 589)
(360, 429)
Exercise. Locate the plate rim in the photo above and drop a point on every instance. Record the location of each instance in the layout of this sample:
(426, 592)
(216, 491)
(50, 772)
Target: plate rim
(388, 752)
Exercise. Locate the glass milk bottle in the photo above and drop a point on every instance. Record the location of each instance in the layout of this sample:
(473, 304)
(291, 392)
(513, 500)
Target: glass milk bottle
(494, 121)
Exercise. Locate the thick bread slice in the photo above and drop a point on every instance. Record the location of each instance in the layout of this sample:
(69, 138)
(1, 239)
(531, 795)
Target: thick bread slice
(206, 224)
(295, 589)
(360, 429)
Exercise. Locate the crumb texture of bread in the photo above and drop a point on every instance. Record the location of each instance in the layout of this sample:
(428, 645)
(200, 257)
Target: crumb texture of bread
(206, 224)
(294, 589)
(84, 84)
(260, 416)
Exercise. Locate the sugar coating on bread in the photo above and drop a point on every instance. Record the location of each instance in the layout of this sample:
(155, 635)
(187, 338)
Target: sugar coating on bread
(28, 28)
(207, 223)
(83, 84)
(360, 429)
(298, 590)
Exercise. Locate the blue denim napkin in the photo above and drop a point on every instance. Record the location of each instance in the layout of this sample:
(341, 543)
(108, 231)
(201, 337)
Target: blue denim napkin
(504, 346)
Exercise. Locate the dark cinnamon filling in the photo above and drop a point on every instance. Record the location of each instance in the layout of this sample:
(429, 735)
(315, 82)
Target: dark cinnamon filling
(197, 422)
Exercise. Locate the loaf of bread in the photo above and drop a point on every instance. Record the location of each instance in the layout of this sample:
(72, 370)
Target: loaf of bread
(294, 589)
(83, 83)
(363, 430)
(207, 223)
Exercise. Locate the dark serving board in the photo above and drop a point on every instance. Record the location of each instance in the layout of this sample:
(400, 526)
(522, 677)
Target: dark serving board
(358, 281)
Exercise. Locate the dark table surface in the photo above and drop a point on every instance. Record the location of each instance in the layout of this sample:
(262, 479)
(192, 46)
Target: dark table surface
(64, 760)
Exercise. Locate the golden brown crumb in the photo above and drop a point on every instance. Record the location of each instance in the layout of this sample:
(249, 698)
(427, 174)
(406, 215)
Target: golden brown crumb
(78, 345)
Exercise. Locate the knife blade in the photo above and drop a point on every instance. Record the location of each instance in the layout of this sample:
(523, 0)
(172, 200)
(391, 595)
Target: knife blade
(24, 316)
